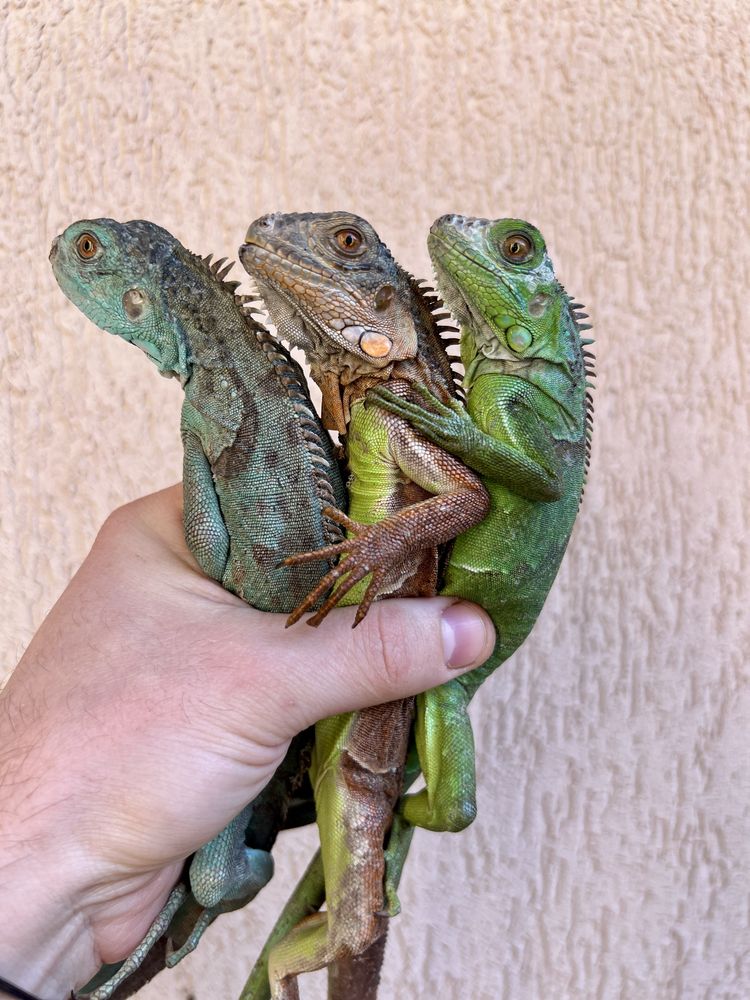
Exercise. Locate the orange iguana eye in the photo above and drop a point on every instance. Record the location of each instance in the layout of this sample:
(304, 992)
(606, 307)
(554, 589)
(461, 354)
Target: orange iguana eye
(349, 240)
(517, 248)
(86, 246)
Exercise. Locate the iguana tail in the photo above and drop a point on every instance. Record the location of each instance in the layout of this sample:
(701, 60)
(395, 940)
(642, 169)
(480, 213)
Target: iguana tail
(358, 975)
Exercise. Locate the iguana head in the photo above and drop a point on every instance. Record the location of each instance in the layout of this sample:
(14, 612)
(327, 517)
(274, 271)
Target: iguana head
(118, 275)
(332, 285)
(515, 316)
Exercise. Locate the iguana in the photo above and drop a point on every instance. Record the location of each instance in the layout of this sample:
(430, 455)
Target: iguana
(526, 429)
(332, 288)
(258, 471)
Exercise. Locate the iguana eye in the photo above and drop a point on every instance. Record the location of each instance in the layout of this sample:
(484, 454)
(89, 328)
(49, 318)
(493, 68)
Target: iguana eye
(349, 240)
(86, 246)
(517, 248)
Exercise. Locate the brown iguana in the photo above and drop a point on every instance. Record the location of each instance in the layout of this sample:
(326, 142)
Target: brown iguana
(333, 289)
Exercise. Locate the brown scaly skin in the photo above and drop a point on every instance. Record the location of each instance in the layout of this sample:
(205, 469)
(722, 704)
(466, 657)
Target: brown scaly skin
(333, 289)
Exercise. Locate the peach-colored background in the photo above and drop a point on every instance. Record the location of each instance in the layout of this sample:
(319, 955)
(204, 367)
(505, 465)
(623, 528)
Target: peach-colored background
(610, 857)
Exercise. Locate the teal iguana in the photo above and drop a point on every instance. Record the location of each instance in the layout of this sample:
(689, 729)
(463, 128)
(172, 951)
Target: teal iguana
(258, 470)
(333, 288)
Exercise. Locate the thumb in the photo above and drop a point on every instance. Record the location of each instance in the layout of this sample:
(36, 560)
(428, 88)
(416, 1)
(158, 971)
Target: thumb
(403, 647)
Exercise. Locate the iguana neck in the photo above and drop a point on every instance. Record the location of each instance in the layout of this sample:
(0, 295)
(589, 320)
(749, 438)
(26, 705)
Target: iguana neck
(564, 383)
(209, 319)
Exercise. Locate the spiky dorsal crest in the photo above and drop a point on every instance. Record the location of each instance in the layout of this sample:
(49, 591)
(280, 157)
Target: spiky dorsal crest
(589, 359)
(435, 341)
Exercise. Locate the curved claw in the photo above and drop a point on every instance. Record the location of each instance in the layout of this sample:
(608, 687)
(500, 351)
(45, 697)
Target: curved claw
(334, 514)
(316, 593)
(346, 585)
(369, 596)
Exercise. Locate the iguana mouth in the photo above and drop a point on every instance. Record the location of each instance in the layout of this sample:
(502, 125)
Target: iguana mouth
(309, 323)
(289, 255)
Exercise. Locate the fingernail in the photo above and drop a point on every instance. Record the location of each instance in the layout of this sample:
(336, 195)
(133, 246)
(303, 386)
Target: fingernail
(464, 635)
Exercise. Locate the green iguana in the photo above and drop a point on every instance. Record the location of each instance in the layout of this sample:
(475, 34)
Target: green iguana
(526, 430)
(333, 288)
(258, 471)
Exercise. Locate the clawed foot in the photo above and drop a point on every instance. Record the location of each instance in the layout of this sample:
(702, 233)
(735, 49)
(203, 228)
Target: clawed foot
(371, 549)
(443, 423)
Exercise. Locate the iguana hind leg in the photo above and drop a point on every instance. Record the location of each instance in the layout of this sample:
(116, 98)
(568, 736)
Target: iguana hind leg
(225, 869)
(357, 772)
(314, 943)
(224, 875)
(445, 744)
(136, 958)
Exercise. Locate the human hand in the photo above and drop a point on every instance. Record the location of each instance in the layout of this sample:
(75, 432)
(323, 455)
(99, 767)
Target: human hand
(150, 707)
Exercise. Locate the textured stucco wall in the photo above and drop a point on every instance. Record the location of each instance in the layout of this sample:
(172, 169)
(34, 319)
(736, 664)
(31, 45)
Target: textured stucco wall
(610, 857)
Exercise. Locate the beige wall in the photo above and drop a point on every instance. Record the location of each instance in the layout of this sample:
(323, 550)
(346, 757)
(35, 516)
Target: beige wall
(610, 858)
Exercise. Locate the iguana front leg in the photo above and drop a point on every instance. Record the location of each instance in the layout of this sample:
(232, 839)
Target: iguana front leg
(206, 534)
(516, 449)
(451, 500)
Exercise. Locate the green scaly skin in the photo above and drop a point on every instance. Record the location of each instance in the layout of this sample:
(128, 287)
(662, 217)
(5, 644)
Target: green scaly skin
(333, 289)
(258, 471)
(526, 430)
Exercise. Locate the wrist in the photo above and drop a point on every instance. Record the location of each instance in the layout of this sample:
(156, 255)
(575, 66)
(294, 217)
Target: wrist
(46, 945)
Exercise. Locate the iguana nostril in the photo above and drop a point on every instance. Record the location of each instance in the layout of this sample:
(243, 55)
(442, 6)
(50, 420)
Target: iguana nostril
(264, 225)
(55, 248)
